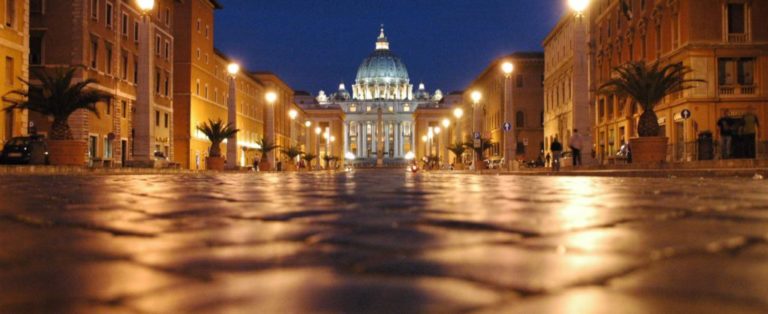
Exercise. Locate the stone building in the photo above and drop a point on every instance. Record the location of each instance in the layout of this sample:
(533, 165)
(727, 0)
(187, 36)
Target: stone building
(566, 85)
(725, 42)
(14, 51)
(104, 37)
(524, 98)
(378, 113)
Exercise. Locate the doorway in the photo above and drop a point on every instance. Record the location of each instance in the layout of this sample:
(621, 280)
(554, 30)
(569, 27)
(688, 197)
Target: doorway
(679, 140)
(123, 152)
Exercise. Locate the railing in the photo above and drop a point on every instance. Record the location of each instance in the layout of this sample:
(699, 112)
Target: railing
(735, 90)
(737, 38)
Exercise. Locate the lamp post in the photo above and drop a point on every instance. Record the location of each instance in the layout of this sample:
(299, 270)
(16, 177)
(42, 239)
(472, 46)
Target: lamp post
(437, 145)
(581, 110)
(510, 137)
(307, 146)
(318, 130)
(458, 113)
(447, 123)
(426, 145)
(232, 69)
(271, 97)
(476, 97)
(142, 120)
(293, 114)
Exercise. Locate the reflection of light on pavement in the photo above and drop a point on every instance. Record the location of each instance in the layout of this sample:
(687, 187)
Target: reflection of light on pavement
(579, 206)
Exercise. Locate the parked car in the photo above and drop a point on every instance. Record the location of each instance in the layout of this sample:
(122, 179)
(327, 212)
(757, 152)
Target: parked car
(25, 150)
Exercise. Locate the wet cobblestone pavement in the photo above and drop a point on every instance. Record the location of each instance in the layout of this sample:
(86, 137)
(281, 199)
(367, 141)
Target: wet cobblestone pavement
(381, 241)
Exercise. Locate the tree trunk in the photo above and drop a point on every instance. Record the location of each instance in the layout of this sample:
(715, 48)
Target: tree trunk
(648, 124)
(60, 130)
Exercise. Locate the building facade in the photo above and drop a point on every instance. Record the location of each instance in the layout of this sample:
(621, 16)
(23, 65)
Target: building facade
(725, 42)
(378, 126)
(518, 97)
(104, 37)
(14, 51)
(566, 85)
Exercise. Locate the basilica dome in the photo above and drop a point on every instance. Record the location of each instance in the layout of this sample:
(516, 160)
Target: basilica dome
(382, 66)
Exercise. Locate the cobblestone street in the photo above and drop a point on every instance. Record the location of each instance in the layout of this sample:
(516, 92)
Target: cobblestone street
(381, 241)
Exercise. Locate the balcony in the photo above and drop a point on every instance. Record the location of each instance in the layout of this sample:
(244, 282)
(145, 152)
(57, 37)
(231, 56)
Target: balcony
(737, 90)
(737, 38)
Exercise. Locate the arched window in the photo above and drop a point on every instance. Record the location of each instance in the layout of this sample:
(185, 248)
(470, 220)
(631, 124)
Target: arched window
(520, 119)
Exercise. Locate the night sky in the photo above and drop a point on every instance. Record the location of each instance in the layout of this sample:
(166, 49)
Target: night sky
(315, 44)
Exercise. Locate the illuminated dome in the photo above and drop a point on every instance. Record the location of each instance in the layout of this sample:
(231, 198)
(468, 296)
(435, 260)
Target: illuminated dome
(382, 66)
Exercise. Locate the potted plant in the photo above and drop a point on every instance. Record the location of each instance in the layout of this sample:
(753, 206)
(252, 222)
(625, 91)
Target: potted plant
(217, 132)
(57, 96)
(308, 158)
(330, 162)
(458, 150)
(291, 152)
(648, 85)
(485, 144)
(265, 147)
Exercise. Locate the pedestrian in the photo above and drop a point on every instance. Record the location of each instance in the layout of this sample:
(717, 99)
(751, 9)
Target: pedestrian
(255, 164)
(556, 149)
(749, 131)
(547, 159)
(576, 142)
(726, 135)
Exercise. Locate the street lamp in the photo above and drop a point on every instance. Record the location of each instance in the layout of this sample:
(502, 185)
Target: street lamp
(293, 114)
(318, 130)
(143, 137)
(458, 113)
(510, 138)
(232, 69)
(271, 97)
(578, 6)
(476, 96)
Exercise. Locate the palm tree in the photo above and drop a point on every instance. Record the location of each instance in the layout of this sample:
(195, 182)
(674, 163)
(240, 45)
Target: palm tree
(217, 132)
(57, 96)
(457, 149)
(309, 158)
(265, 146)
(648, 85)
(485, 144)
(291, 152)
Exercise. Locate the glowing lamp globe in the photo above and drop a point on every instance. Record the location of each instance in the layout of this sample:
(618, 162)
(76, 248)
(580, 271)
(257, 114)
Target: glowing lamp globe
(507, 68)
(446, 123)
(233, 69)
(145, 5)
(476, 96)
(293, 114)
(271, 97)
(458, 113)
(578, 5)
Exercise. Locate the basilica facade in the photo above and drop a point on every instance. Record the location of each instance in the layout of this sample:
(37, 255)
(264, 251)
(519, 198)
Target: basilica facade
(378, 124)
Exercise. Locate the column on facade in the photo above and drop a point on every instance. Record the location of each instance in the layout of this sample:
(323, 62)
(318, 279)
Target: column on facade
(413, 137)
(400, 144)
(365, 139)
(386, 138)
(374, 137)
(346, 139)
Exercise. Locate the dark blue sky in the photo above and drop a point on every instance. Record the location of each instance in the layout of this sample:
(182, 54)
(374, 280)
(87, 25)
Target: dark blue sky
(315, 44)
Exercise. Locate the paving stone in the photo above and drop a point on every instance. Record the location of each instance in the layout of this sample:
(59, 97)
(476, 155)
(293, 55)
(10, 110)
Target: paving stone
(597, 300)
(656, 238)
(319, 290)
(713, 277)
(530, 271)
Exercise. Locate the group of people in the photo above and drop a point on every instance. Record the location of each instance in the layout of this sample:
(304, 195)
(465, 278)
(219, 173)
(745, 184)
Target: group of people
(575, 143)
(737, 135)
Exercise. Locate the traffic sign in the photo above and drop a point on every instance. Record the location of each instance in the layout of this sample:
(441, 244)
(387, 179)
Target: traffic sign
(685, 114)
(477, 143)
(507, 126)
(477, 135)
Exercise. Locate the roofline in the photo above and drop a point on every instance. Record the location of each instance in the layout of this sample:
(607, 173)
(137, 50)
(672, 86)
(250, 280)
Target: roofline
(566, 18)
(522, 55)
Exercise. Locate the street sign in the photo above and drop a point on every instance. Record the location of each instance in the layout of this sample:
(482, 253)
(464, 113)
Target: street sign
(507, 126)
(477, 135)
(477, 143)
(685, 114)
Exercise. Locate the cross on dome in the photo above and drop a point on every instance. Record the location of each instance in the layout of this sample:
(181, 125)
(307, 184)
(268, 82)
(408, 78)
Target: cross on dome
(382, 43)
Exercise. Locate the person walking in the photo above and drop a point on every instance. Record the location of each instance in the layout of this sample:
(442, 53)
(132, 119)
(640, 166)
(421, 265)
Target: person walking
(726, 135)
(556, 149)
(576, 142)
(749, 131)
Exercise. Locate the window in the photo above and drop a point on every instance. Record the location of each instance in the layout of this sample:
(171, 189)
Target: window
(216, 95)
(124, 65)
(519, 119)
(197, 53)
(157, 81)
(94, 9)
(109, 58)
(167, 50)
(206, 31)
(206, 58)
(736, 18)
(108, 107)
(108, 15)
(166, 83)
(158, 45)
(197, 26)
(658, 41)
(124, 108)
(732, 71)
(205, 94)
(167, 16)
(135, 69)
(36, 49)
(519, 80)
(9, 68)
(166, 121)
(94, 53)
(157, 118)
(124, 24)
(675, 30)
(136, 31)
(37, 6)
(10, 13)
(107, 148)
(197, 88)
